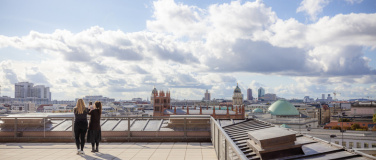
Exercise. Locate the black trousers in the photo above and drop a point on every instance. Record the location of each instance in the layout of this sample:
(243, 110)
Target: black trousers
(79, 134)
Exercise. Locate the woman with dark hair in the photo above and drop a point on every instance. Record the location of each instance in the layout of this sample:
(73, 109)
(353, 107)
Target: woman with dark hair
(80, 125)
(94, 134)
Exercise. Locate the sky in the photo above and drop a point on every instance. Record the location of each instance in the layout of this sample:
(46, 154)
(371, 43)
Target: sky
(122, 48)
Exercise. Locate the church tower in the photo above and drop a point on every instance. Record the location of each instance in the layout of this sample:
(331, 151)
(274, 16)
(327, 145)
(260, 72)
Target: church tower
(161, 102)
(237, 98)
(152, 96)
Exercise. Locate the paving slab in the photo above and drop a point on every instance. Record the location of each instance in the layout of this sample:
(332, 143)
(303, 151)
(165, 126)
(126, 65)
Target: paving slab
(113, 151)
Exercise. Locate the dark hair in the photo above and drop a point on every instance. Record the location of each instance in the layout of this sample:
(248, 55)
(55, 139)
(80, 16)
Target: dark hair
(90, 103)
(98, 105)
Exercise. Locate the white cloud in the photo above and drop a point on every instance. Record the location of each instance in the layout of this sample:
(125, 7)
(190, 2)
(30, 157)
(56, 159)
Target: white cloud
(187, 47)
(354, 1)
(179, 19)
(312, 7)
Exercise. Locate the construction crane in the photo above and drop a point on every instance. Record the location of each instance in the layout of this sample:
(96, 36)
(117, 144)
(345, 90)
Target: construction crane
(335, 94)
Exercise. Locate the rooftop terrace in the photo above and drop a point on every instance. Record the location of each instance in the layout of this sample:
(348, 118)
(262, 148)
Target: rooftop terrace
(175, 137)
(125, 151)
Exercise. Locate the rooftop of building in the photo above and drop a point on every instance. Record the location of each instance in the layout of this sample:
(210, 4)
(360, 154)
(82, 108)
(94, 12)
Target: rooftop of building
(312, 147)
(349, 134)
(150, 129)
(197, 112)
(63, 122)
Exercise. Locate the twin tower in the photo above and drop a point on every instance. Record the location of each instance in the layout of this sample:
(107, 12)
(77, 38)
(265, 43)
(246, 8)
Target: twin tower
(161, 102)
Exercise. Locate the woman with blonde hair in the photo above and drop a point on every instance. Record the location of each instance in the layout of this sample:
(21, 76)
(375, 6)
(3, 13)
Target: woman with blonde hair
(94, 135)
(80, 125)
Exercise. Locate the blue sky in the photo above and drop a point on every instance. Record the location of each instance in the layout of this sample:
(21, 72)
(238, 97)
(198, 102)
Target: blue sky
(291, 48)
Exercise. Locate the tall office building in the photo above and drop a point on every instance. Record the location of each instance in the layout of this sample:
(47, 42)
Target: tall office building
(23, 90)
(27, 90)
(249, 94)
(40, 91)
(207, 96)
(261, 92)
(329, 98)
(270, 97)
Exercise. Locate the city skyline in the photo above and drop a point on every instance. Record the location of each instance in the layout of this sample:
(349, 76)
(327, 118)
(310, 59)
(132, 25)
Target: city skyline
(121, 49)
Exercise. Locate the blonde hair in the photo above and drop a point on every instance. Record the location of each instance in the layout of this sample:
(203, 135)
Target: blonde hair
(80, 106)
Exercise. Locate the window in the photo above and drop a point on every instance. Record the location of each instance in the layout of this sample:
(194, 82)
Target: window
(351, 144)
(365, 145)
(358, 145)
(343, 143)
(336, 142)
(373, 145)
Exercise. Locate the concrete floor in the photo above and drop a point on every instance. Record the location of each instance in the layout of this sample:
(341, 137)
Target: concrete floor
(126, 150)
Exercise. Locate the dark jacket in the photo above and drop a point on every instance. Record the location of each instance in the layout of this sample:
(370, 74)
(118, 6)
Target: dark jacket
(95, 120)
(80, 120)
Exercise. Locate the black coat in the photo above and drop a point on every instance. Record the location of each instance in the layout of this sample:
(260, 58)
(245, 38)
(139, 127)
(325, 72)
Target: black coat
(95, 120)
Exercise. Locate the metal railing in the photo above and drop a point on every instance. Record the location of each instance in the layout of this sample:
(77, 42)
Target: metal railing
(19, 123)
(225, 148)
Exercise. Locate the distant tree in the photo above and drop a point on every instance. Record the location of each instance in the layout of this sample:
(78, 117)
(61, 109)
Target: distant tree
(355, 126)
(344, 120)
(374, 118)
(336, 127)
(347, 128)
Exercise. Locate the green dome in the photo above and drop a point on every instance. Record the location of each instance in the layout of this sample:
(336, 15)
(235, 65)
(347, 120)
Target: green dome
(237, 89)
(257, 110)
(285, 126)
(283, 108)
